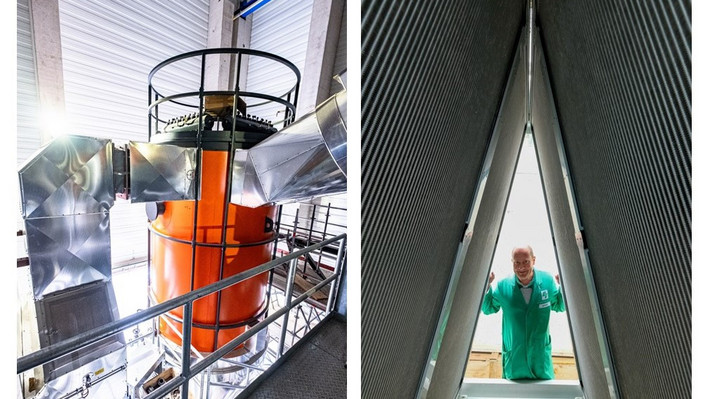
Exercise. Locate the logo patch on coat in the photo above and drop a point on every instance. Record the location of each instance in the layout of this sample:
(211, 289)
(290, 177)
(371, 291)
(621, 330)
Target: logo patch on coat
(544, 294)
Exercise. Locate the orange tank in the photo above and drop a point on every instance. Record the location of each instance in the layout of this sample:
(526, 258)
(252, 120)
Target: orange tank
(171, 261)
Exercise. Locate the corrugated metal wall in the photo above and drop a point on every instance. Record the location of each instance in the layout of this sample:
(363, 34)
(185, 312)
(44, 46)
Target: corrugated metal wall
(589, 335)
(492, 196)
(28, 135)
(280, 27)
(433, 75)
(621, 76)
(108, 49)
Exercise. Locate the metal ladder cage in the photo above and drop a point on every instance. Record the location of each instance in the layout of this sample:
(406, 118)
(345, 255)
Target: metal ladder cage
(182, 67)
(190, 370)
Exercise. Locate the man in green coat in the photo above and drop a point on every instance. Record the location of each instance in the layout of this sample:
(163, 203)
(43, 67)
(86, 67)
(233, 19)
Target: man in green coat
(527, 297)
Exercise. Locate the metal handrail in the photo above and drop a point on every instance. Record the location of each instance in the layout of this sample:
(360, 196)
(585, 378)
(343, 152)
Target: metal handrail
(87, 338)
(173, 97)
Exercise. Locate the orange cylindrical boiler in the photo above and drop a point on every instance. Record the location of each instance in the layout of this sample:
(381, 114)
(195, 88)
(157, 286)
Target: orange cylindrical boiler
(171, 263)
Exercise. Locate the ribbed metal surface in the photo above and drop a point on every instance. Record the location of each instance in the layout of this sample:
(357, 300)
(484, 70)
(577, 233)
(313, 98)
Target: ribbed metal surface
(28, 136)
(587, 328)
(492, 194)
(621, 75)
(108, 49)
(280, 27)
(433, 76)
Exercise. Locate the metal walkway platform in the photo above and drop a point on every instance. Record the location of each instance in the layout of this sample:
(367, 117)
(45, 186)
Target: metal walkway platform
(485, 388)
(315, 369)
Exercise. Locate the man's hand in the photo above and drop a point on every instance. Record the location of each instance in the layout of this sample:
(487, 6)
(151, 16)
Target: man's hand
(557, 278)
(491, 278)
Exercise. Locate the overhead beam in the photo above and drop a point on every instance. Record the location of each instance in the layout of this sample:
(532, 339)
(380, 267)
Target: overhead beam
(219, 35)
(320, 54)
(44, 16)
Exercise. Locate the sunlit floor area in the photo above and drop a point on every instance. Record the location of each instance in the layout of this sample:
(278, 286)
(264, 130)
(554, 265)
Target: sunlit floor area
(490, 365)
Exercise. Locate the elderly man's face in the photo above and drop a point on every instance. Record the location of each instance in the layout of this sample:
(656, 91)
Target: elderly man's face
(523, 264)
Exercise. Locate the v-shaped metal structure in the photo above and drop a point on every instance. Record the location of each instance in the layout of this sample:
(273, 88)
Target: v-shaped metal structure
(526, 222)
(537, 115)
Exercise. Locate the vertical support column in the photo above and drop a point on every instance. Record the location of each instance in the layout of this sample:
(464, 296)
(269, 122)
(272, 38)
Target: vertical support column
(242, 39)
(219, 35)
(320, 54)
(225, 31)
(44, 16)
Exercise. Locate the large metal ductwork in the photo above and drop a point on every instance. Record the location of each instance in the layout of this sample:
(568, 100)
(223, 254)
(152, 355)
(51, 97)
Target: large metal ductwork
(66, 194)
(304, 160)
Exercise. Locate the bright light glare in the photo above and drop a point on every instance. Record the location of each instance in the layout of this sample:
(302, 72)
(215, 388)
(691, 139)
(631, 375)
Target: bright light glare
(53, 123)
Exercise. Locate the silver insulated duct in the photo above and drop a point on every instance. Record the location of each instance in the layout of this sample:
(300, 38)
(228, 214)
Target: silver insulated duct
(66, 197)
(67, 189)
(307, 159)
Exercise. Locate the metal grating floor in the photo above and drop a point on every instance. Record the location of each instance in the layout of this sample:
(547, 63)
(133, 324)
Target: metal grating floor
(317, 368)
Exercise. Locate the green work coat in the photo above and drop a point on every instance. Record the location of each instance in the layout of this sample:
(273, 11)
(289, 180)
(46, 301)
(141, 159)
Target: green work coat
(526, 334)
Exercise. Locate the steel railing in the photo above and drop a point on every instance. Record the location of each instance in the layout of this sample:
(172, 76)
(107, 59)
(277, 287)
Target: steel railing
(189, 371)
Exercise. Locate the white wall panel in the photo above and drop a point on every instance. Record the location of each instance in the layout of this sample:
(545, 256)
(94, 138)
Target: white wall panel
(109, 48)
(28, 136)
(280, 27)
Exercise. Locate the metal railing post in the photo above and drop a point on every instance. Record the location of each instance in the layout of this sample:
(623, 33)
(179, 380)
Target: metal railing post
(323, 237)
(289, 294)
(186, 340)
(206, 379)
(338, 267)
(295, 227)
(295, 325)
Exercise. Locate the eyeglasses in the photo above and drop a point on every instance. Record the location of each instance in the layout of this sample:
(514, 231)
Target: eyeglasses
(521, 265)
